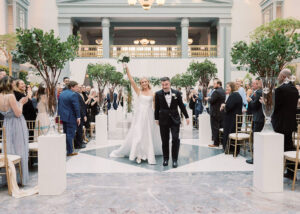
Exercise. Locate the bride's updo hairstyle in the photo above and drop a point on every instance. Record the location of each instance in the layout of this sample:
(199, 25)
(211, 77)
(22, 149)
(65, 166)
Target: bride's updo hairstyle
(6, 85)
(143, 79)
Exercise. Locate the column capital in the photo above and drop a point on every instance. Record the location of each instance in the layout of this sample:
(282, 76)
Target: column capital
(185, 22)
(105, 22)
(223, 21)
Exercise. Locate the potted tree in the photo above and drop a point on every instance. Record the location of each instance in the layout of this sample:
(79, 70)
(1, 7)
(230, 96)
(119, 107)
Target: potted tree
(48, 54)
(7, 45)
(265, 56)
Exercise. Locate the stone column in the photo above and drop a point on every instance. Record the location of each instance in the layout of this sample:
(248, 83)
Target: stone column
(105, 37)
(65, 29)
(184, 37)
(274, 14)
(224, 46)
(178, 35)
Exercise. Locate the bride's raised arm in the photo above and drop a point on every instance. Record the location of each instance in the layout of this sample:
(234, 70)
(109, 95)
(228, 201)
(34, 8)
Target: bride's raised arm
(132, 82)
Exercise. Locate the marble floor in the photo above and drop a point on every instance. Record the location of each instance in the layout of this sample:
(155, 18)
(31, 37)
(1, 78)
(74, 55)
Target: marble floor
(206, 181)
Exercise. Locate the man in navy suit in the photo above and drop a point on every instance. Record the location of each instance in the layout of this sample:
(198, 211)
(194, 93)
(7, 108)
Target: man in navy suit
(69, 112)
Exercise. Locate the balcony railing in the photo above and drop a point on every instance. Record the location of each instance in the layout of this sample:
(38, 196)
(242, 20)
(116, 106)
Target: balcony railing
(90, 51)
(202, 50)
(148, 51)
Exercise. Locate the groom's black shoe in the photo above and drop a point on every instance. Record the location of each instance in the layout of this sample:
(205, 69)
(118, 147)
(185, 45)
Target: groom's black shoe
(166, 162)
(175, 164)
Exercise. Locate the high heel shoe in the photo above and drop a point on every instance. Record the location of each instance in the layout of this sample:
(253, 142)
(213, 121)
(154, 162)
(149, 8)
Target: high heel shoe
(138, 160)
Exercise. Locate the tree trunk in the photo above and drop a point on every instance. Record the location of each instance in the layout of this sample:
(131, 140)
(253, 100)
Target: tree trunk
(10, 64)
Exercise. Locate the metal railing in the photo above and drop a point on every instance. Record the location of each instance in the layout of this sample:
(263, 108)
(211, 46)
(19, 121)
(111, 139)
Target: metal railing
(203, 51)
(90, 51)
(148, 51)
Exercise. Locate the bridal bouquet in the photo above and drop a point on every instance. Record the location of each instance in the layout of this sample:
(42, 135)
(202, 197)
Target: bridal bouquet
(123, 58)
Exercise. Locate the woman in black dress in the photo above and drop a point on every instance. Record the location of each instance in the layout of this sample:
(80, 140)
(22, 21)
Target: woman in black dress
(231, 108)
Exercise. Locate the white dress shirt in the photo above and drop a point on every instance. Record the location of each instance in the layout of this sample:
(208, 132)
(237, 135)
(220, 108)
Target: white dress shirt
(168, 99)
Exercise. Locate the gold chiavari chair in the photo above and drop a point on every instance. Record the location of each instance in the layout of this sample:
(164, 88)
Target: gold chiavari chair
(59, 127)
(1, 125)
(293, 158)
(295, 134)
(242, 135)
(92, 129)
(34, 131)
(15, 159)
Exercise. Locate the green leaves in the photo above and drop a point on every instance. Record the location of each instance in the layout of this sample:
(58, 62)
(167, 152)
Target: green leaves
(184, 80)
(266, 56)
(45, 51)
(203, 71)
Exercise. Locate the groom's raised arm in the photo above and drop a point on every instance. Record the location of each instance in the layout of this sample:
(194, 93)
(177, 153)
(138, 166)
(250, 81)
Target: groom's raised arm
(181, 106)
(156, 107)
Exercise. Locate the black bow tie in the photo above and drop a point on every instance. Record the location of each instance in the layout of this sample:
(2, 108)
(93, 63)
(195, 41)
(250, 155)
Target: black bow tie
(166, 93)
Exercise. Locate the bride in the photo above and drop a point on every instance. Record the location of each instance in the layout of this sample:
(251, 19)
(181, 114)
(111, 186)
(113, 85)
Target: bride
(143, 140)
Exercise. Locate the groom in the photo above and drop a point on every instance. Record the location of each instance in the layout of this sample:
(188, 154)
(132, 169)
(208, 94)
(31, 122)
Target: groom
(167, 117)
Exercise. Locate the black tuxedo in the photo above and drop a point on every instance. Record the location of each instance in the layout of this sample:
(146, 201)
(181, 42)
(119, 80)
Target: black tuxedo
(284, 116)
(216, 116)
(79, 133)
(169, 119)
(256, 110)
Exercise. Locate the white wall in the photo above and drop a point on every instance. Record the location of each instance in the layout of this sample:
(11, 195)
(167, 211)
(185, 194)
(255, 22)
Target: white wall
(43, 14)
(291, 9)
(246, 16)
(143, 67)
(2, 17)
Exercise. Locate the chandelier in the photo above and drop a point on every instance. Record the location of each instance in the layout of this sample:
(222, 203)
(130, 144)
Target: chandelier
(146, 4)
(144, 42)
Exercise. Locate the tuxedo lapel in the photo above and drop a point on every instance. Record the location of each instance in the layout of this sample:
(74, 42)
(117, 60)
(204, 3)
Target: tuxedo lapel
(172, 98)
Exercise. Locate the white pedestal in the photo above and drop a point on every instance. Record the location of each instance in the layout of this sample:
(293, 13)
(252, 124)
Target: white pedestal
(101, 129)
(268, 162)
(204, 129)
(52, 177)
(112, 119)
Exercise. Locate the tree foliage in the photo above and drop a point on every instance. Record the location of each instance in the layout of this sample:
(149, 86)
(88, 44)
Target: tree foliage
(203, 72)
(7, 45)
(289, 27)
(266, 56)
(48, 54)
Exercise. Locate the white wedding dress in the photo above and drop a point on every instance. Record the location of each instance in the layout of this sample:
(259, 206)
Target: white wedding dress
(143, 139)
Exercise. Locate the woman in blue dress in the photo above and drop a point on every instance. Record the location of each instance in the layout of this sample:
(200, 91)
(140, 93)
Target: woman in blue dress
(15, 124)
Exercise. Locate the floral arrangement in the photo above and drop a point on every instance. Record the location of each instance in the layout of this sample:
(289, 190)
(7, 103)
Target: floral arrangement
(123, 58)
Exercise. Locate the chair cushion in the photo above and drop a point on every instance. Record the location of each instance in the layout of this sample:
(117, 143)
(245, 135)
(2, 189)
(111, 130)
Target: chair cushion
(12, 158)
(33, 147)
(291, 154)
(239, 136)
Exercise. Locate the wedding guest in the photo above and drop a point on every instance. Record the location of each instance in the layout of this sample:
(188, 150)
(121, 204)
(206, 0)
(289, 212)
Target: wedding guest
(210, 90)
(256, 109)
(28, 108)
(34, 100)
(242, 92)
(250, 94)
(88, 90)
(69, 112)
(92, 105)
(198, 97)
(15, 124)
(84, 93)
(231, 108)
(2, 75)
(66, 81)
(112, 97)
(298, 106)
(42, 115)
(284, 116)
(78, 141)
(216, 117)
